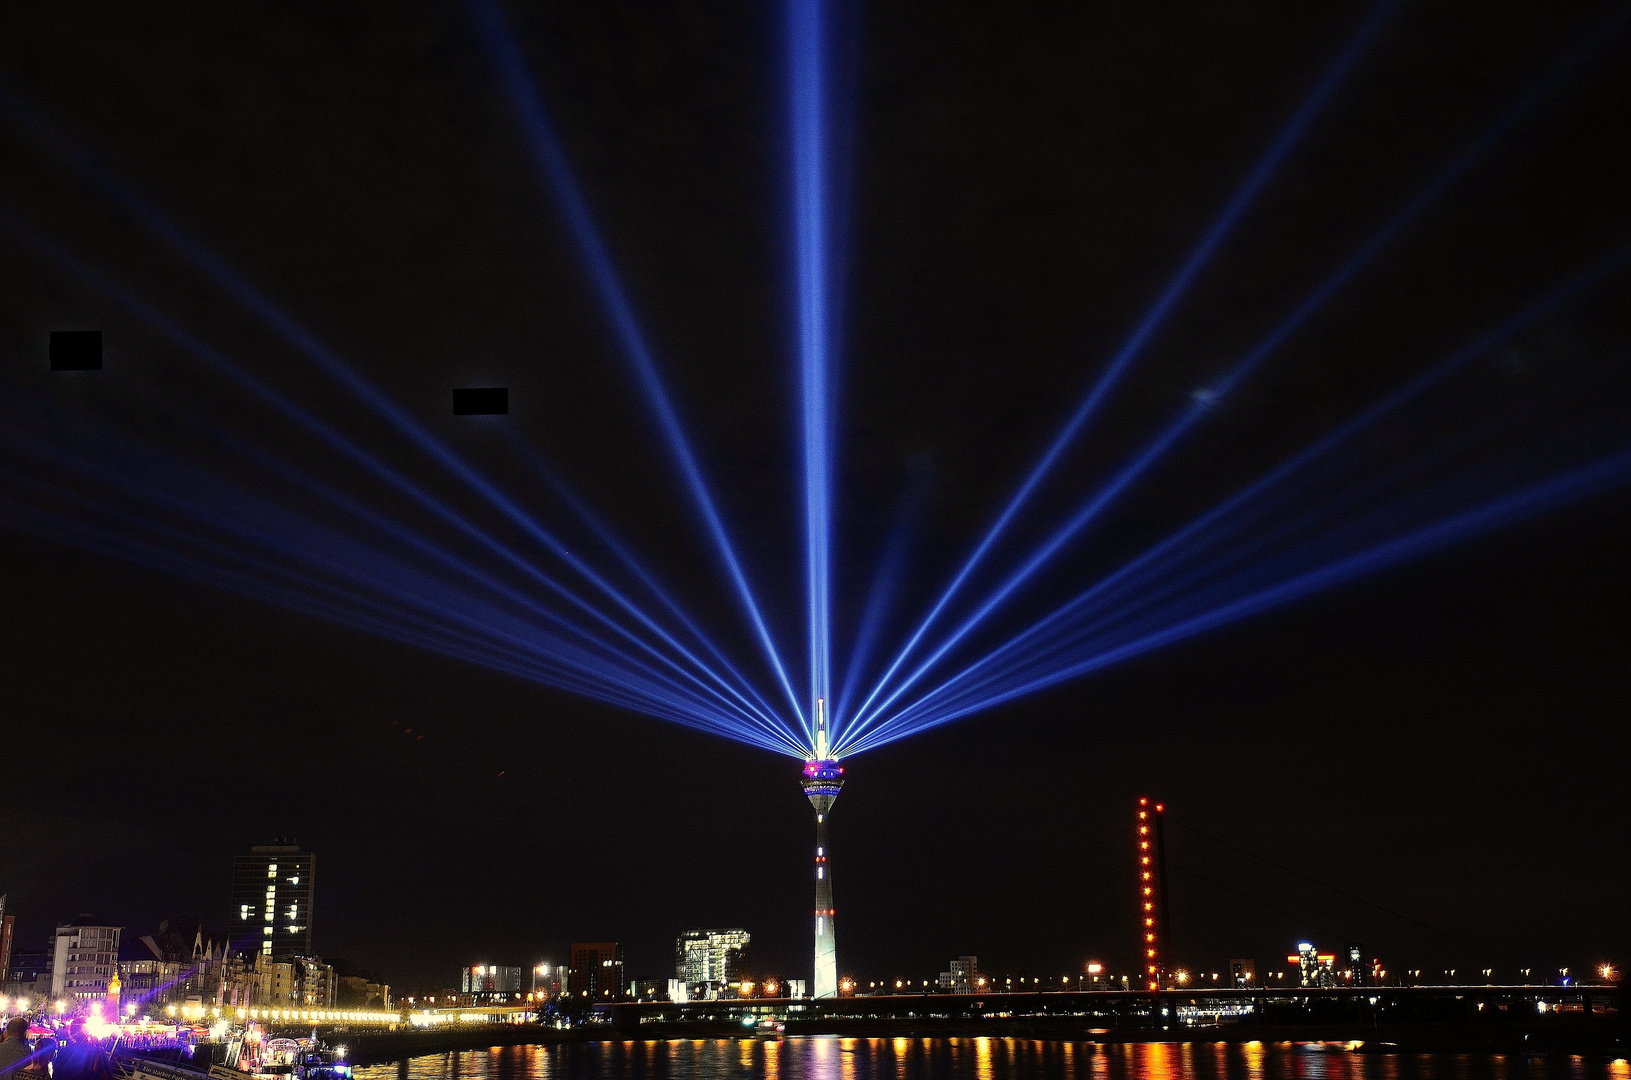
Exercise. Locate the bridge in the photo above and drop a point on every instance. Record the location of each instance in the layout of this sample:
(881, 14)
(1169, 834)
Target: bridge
(1459, 1016)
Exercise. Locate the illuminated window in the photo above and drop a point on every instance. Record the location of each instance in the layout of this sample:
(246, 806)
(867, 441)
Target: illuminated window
(271, 869)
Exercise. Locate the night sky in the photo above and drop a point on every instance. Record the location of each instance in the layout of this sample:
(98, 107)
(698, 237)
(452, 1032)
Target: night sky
(1446, 740)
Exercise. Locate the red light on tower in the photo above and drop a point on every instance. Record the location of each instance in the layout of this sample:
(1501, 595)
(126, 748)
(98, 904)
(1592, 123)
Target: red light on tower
(1152, 884)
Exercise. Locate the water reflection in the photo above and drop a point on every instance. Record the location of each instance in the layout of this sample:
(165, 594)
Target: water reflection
(831, 1058)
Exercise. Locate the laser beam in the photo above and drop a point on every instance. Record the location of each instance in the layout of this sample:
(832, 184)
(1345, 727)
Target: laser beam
(550, 161)
(1528, 102)
(1153, 319)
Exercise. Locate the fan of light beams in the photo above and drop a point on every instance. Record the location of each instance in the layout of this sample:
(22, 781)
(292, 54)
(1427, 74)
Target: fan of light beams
(439, 555)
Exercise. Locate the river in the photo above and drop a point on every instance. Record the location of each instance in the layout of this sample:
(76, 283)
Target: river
(823, 1057)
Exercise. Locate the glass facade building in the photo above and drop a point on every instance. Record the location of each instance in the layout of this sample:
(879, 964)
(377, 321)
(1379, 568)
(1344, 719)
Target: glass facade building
(709, 960)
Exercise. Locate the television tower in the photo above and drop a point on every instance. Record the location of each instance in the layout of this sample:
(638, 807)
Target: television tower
(822, 780)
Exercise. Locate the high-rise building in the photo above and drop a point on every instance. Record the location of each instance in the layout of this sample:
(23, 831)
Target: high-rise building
(1314, 968)
(823, 778)
(707, 960)
(85, 958)
(1356, 964)
(272, 889)
(596, 970)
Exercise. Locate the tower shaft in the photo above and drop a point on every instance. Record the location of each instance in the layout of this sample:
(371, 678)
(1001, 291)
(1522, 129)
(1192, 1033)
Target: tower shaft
(826, 943)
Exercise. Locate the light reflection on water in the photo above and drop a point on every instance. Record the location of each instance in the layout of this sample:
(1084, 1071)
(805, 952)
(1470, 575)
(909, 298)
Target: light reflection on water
(835, 1058)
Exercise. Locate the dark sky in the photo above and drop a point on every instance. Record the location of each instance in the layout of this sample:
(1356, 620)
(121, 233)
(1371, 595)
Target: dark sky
(1446, 740)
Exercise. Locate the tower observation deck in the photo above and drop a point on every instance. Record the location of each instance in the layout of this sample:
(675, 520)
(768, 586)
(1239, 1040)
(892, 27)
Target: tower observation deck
(823, 777)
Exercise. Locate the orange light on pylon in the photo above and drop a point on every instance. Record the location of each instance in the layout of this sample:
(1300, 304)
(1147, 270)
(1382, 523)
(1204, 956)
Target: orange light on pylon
(1154, 926)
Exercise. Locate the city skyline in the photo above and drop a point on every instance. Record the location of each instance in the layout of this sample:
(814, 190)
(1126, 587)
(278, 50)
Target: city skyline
(904, 242)
(82, 955)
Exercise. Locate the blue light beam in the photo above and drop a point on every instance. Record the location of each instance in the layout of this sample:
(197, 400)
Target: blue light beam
(56, 254)
(1140, 568)
(550, 161)
(224, 275)
(247, 520)
(807, 108)
(1147, 327)
(1600, 476)
(1527, 104)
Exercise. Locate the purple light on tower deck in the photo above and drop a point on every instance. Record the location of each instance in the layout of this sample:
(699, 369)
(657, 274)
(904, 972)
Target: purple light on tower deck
(823, 777)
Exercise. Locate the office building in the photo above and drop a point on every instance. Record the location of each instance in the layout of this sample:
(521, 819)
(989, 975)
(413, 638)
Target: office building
(1314, 968)
(963, 978)
(647, 989)
(547, 979)
(596, 970)
(491, 982)
(85, 958)
(1242, 973)
(709, 960)
(272, 889)
(1357, 969)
